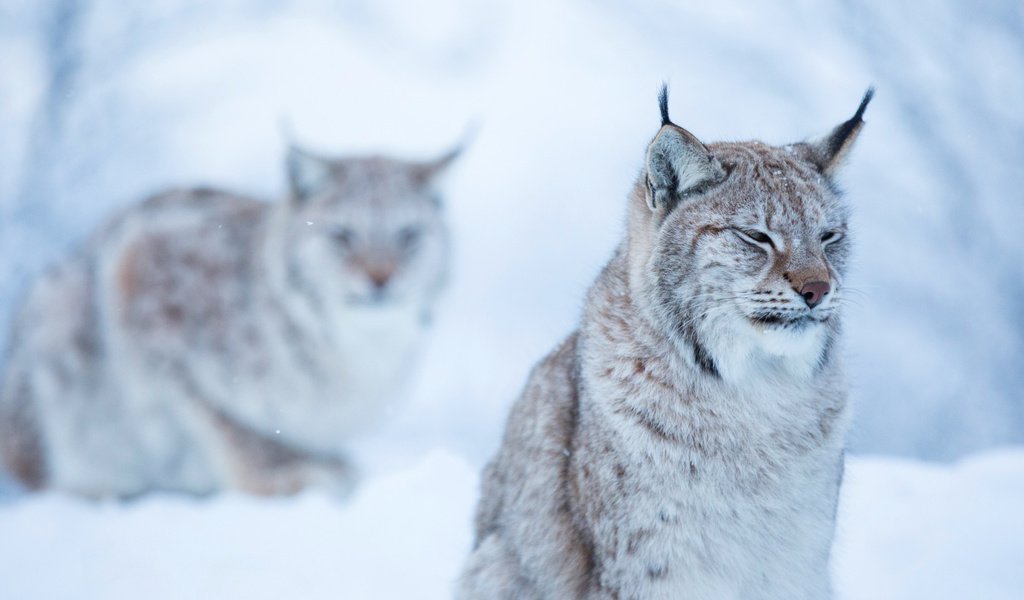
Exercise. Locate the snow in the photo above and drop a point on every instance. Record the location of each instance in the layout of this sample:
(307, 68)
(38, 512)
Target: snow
(921, 530)
(907, 530)
(402, 536)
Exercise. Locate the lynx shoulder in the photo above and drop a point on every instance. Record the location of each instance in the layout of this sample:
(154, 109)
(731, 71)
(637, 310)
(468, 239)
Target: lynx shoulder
(201, 340)
(687, 441)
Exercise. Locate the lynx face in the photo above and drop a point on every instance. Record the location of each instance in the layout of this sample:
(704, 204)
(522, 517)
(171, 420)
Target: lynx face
(366, 232)
(750, 247)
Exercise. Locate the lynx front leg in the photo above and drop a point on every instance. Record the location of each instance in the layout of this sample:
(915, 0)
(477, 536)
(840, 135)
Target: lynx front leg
(262, 465)
(21, 446)
(494, 572)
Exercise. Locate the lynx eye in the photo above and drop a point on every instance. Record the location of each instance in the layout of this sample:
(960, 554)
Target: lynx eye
(343, 237)
(830, 236)
(408, 237)
(755, 237)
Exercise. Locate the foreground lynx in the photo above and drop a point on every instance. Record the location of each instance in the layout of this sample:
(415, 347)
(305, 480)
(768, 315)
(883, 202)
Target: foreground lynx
(203, 341)
(687, 441)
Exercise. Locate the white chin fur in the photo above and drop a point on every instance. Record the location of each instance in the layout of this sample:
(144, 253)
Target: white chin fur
(791, 343)
(745, 352)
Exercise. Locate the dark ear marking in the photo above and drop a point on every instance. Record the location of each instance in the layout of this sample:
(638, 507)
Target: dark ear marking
(842, 133)
(828, 152)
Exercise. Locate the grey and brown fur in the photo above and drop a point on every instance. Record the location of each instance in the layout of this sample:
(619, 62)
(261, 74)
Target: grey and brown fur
(203, 341)
(686, 442)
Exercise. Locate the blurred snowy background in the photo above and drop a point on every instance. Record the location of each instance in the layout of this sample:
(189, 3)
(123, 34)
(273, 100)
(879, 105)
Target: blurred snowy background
(102, 102)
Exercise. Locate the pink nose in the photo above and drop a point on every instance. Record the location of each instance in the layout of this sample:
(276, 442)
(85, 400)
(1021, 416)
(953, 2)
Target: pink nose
(814, 292)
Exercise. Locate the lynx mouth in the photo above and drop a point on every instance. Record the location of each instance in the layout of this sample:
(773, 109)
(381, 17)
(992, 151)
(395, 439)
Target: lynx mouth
(778, 321)
(371, 301)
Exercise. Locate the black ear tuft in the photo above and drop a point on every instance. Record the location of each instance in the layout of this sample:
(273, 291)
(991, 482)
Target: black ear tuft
(663, 105)
(868, 95)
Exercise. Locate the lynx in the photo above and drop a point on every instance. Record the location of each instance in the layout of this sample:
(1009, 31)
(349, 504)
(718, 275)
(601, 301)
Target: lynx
(203, 341)
(687, 440)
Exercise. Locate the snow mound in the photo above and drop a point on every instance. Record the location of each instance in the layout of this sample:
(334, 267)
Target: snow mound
(907, 530)
(911, 529)
(402, 536)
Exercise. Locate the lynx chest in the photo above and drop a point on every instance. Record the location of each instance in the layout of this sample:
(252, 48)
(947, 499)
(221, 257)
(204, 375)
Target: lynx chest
(744, 486)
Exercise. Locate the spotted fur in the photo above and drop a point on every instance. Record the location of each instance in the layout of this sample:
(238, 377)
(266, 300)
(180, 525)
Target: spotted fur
(203, 341)
(687, 440)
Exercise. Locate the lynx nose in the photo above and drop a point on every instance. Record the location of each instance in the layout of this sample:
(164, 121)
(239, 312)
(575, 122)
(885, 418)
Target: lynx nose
(380, 277)
(814, 292)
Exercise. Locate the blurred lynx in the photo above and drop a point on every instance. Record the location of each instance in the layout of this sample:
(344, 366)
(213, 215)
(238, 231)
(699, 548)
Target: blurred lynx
(203, 341)
(687, 441)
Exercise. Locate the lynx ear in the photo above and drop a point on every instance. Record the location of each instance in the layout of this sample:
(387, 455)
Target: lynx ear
(306, 172)
(677, 162)
(828, 152)
(426, 172)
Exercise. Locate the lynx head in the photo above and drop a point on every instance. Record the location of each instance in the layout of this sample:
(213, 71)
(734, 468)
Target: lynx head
(366, 232)
(741, 249)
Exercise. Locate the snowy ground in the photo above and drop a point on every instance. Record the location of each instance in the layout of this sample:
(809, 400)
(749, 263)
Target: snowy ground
(907, 530)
